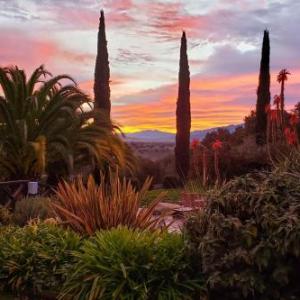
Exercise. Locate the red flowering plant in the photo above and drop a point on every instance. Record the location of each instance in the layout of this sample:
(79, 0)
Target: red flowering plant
(217, 145)
(294, 120)
(273, 115)
(195, 144)
(291, 136)
(291, 131)
(195, 152)
(274, 120)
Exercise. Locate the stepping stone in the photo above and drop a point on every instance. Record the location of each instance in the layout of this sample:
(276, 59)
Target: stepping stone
(164, 207)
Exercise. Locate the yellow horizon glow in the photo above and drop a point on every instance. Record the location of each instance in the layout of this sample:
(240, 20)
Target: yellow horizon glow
(215, 102)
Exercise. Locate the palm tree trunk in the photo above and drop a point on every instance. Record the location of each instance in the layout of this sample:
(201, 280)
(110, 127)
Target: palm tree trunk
(282, 102)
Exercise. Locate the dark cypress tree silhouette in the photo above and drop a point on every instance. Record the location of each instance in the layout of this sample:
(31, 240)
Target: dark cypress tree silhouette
(102, 72)
(183, 114)
(263, 92)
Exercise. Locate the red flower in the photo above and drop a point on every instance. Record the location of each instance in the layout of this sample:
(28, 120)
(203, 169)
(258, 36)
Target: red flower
(294, 120)
(217, 144)
(291, 136)
(195, 144)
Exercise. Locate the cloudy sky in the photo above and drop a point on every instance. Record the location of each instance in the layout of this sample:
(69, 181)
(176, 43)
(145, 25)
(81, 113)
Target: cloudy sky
(224, 41)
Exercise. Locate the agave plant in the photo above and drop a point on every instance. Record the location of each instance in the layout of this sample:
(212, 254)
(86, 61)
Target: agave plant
(43, 124)
(89, 207)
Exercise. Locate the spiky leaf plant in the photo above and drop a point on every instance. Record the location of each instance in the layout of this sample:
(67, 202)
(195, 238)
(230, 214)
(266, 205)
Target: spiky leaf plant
(89, 207)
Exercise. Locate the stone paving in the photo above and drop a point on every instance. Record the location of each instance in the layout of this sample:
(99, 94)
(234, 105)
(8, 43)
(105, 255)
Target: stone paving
(174, 215)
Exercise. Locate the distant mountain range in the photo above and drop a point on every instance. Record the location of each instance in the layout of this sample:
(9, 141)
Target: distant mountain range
(157, 136)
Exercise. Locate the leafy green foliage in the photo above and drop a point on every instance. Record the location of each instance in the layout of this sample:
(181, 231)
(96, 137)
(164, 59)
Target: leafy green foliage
(130, 264)
(45, 123)
(35, 257)
(32, 208)
(247, 241)
(5, 216)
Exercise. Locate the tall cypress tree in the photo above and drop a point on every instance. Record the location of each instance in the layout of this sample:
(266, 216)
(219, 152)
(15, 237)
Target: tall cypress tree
(263, 92)
(183, 114)
(102, 72)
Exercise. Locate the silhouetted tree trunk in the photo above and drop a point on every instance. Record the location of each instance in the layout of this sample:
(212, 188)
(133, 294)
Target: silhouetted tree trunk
(281, 78)
(183, 114)
(102, 73)
(263, 92)
(282, 98)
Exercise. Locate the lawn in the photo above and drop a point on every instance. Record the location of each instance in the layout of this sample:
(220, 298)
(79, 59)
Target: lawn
(171, 195)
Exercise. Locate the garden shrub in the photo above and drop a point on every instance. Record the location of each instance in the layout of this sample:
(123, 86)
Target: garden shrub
(32, 208)
(131, 264)
(247, 241)
(88, 207)
(5, 215)
(36, 257)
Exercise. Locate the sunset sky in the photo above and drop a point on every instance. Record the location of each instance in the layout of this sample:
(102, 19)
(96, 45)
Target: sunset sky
(224, 48)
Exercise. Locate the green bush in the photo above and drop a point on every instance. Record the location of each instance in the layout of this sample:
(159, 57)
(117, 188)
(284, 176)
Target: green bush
(5, 216)
(32, 208)
(127, 264)
(247, 241)
(36, 257)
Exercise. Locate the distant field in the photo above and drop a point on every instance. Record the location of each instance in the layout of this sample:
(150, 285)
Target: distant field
(152, 150)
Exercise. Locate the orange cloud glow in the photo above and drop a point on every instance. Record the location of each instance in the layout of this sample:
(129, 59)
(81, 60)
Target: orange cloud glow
(214, 102)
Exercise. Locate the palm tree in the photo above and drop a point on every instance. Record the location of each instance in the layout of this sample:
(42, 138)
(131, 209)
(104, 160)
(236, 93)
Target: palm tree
(281, 78)
(44, 125)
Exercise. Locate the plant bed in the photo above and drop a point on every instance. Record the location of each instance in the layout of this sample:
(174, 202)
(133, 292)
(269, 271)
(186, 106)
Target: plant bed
(247, 239)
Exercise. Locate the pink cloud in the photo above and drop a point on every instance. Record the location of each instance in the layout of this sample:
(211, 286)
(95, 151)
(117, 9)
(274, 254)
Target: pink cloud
(28, 52)
(167, 20)
(87, 17)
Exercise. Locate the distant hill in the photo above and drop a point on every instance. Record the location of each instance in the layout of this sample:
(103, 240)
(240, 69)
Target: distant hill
(157, 136)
